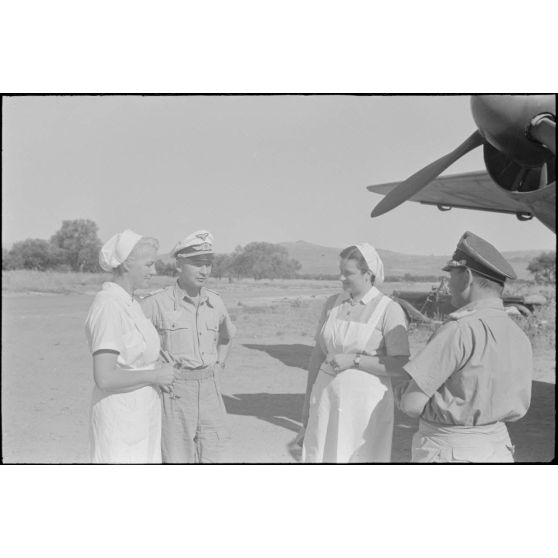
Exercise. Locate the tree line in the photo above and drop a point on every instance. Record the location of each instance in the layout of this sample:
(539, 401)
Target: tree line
(258, 260)
(75, 247)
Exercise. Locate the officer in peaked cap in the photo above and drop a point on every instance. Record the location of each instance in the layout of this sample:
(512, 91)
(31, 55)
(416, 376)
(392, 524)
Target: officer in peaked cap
(196, 331)
(475, 372)
(481, 257)
(199, 243)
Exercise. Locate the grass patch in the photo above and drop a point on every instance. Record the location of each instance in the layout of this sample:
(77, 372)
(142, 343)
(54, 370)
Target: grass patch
(59, 282)
(24, 280)
(293, 316)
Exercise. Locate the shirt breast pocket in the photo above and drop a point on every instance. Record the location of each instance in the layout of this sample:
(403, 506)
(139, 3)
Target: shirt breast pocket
(212, 336)
(177, 333)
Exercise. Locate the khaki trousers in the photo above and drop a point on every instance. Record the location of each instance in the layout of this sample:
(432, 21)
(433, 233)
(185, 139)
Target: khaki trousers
(194, 423)
(439, 443)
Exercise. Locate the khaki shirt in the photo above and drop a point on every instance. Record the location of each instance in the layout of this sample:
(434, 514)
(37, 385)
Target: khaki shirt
(390, 335)
(187, 332)
(477, 368)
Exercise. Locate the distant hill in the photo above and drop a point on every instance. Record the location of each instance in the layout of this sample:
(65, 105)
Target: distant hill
(312, 257)
(316, 259)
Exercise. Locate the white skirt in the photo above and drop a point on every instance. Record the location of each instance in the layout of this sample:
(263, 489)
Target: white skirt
(351, 419)
(126, 427)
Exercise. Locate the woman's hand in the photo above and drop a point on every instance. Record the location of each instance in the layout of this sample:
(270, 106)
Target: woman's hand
(341, 361)
(165, 376)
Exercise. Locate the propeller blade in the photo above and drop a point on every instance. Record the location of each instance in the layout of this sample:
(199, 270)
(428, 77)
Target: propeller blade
(423, 177)
(543, 179)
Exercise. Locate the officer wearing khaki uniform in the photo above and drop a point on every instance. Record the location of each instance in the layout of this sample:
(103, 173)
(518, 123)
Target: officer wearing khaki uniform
(196, 332)
(475, 372)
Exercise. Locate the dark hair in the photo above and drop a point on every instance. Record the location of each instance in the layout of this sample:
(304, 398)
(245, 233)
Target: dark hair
(353, 253)
(487, 284)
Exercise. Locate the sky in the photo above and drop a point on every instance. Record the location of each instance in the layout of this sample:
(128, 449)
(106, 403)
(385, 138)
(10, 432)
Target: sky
(247, 168)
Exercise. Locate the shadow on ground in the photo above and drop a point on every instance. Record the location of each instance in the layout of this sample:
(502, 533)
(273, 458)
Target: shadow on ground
(284, 410)
(296, 355)
(403, 430)
(281, 409)
(534, 435)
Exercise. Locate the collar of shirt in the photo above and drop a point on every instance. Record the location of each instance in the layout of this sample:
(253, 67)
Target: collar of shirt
(372, 293)
(118, 292)
(485, 303)
(181, 294)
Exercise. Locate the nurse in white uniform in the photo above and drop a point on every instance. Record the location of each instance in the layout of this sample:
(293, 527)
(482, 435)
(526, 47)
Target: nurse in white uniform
(360, 343)
(126, 407)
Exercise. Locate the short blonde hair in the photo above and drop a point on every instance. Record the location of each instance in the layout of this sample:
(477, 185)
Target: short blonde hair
(142, 245)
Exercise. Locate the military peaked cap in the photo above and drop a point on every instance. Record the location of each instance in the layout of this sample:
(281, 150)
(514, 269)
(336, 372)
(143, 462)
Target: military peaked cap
(199, 243)
(481, 257)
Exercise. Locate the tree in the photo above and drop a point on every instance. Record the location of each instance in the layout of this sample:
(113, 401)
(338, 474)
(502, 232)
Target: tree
(222, 266)
(543, 267)
(33, 253)
(262, 260)
(165, 268)
(10, 261)
(80, 244)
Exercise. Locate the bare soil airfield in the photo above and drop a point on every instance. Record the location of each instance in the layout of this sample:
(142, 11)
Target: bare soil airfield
(47, 379)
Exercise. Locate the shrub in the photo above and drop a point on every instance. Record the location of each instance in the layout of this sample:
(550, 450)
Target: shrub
(33, 253)
(543, 267)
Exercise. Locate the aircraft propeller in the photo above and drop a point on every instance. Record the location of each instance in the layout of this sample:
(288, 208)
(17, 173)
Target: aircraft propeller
(423, 177)
(513, 159)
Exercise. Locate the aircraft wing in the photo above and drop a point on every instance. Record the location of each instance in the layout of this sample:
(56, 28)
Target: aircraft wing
(472, 190)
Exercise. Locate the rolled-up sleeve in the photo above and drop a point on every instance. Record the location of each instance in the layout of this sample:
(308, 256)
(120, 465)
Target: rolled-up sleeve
(444, 353)
(396, 338)
(323, 317)
(227, 330)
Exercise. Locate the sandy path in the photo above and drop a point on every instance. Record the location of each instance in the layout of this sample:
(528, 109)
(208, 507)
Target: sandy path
(47, 381)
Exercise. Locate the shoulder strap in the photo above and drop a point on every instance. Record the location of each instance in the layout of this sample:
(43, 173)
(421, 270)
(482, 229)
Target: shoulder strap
(378, 312)
(333, 310)
(143, 297)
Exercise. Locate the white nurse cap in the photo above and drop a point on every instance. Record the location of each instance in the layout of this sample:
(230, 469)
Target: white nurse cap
(115, 250)
(373, 261)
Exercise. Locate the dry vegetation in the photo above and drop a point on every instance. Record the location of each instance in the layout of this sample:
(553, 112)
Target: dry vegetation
(280, 307)
(541, 328)
(28, 281)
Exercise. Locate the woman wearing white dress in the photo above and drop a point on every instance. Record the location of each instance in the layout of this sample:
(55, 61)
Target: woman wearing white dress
(125, 407)
(360, 343)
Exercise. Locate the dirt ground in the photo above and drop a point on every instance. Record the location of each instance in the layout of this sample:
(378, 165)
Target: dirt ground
(47, 379)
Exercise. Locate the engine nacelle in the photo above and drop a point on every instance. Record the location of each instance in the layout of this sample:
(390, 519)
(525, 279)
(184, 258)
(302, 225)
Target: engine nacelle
(503, 121)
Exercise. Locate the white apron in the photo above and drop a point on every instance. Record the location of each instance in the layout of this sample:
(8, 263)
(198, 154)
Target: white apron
(351, 412)
(126, 427)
